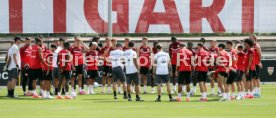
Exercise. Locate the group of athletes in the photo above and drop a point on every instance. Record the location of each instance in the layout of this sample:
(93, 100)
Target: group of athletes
(234, 66)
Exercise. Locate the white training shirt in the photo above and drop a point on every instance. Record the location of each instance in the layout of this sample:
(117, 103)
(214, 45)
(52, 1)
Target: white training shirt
(14, 50)
(129, 64)
(55, 55)
(116, 57)
(162, 59)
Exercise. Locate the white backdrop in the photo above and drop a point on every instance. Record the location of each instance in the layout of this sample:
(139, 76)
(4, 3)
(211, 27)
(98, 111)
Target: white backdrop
(80, 16)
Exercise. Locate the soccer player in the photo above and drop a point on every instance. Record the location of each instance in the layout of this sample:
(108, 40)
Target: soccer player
(14, 66)
(25, 54)
(232, 71)
(56, 73)
(193, 74)
(258, 64)
(249, 67)
(76, 50)
(144, 53)
(117, 57)
(222, 66)
(173, 49)
(154, 51)
(184, 71)
(240, 72)
(36, 68)
(106, 67)
(92, 66)
(214, 53)
(47, 69)
(162, 71)
(65, 66)
(201, 60)
(131, 65)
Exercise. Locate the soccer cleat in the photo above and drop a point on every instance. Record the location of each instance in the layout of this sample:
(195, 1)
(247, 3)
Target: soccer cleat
(129, 99)
(50, 97)
(68, 97)
(120, 92)
(232, 97)
(82, 93)
(115, 97)
(139, 99)
(133, 91)
(152, 91)
(187, 99)
(222, 99)
(92, 92)
(202, 100)
(172, 100)
(36, 96)
(125, 97)
(108, 91)
(239, 98)
(158, 100)
(59, 97)
(145, 92)
(178, 99)
(212, 94)
(29, 93)
(257, 95)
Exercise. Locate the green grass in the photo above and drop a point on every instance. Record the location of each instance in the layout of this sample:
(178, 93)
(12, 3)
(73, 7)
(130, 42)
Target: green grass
(103, 106)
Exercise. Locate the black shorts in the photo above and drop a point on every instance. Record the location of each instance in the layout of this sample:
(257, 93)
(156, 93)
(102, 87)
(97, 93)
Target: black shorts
(249, 76)
(36, 74)
(92, 74)
(49, 76)
(173, 69)
(79, 70)
(55, 72)
(134, 77)
(118, 74)
(256, 73)
(162, 79)
(13, 74)
(231, 77)
(202, 76)
(224, 74)
(239, 75)
(144, 70)
(66, 75)
(184, 77)
(107, 71)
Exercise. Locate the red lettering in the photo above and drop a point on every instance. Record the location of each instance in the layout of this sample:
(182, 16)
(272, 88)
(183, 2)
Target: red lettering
(247, 16)
(59, 16)
(99, 25)
(198, 12)
(170, 17)
(15, 16)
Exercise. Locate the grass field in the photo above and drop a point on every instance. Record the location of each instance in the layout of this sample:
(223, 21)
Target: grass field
(103, 106)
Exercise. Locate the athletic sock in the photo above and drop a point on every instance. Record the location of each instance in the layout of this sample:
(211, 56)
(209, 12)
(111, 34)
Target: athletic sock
(212, 90)
(9, 92)
(115, 93)
(56, 90)
(223, 95)
(159, 97)
(145, 87)
(129, 96)
(227, 95)
(179, 95)
(119, 89)
(125, 93)
(137, 96)
(188, 95)
(194, 88)
(170, 96)
(259, 90)
(219, 90)
(80, 89)
(12, 92)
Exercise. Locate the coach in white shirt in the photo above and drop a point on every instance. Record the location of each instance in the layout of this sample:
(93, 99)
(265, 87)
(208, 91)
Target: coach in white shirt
(13, 66)
(132, 75)
(55, 64)
(161, 69)
(117, 57)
